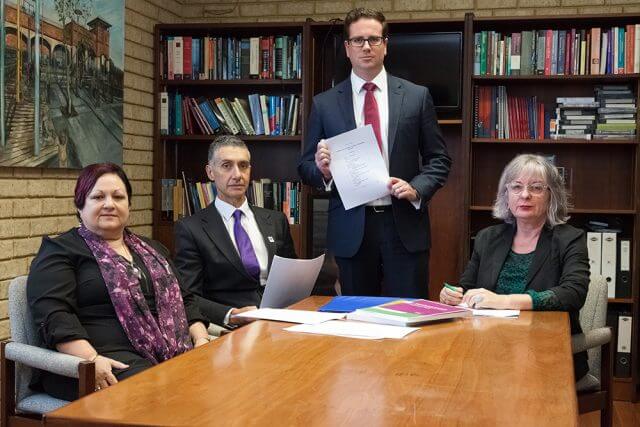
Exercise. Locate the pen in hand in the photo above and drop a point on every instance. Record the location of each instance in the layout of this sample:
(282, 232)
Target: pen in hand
(450, 294)
(450, 287)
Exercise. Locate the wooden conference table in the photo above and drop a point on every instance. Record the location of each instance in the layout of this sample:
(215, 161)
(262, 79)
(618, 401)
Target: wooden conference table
(473, 371)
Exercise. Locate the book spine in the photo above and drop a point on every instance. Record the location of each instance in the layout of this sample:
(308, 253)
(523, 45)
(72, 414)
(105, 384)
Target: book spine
(265, 115)
(548, 41)
(164, 113)
(628, 48)
(595, 51)
(170, 58)
(178, 114)
(187, 58)
(477, 52)
(178, 60)
(228, 116)
(483, 53)
(554, 52)
(562, 36)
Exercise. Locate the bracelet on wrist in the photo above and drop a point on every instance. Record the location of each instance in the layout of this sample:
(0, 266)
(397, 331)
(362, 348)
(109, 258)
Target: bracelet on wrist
(93, 359)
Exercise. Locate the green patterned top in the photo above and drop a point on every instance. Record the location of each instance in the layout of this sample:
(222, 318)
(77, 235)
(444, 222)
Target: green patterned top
(513, 280)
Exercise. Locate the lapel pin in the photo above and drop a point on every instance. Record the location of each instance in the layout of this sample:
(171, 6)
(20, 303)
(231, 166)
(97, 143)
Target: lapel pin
(271, 240)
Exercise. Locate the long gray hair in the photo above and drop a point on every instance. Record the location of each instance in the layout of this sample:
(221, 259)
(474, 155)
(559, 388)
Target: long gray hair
(532, 164)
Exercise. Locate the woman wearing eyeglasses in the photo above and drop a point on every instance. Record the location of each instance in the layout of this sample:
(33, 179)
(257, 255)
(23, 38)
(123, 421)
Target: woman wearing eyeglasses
(534, 261)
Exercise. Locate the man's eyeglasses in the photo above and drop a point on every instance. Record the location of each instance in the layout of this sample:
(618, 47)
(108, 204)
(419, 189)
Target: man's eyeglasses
(359, 41)
(535, 189)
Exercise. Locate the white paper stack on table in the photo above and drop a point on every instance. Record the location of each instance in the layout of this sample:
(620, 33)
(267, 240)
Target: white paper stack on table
(489, 312)
(341, 328)
(290, 316)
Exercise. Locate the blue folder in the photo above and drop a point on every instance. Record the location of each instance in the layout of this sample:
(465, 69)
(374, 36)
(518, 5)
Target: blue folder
(345, 304)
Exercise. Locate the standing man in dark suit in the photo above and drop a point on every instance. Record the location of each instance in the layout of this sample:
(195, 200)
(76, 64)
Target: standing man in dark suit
(383, 247)
(224, 252)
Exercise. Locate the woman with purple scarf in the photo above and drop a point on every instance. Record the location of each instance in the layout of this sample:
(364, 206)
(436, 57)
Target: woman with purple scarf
(105, 294)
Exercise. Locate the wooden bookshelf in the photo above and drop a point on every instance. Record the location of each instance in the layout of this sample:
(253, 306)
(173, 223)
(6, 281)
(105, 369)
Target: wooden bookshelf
(605, 181)
(611, 78)
(273, 157)
(245, 138)
(234, 82)
(555, 141)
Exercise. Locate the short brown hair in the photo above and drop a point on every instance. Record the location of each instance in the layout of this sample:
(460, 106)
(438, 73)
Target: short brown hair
(224, 141)
(359, 13)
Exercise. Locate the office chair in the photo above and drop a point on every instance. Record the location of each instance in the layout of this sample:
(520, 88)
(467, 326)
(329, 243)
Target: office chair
(595, 388)
(22, 406)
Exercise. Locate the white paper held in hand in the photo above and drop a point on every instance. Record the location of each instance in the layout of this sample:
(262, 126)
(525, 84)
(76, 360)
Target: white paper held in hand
(357, 167)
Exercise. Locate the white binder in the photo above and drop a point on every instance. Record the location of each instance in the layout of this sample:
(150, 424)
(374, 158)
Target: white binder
(594, 248)
(608, 263)
(624, 334)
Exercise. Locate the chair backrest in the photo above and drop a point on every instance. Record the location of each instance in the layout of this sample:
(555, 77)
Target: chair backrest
(23, 330)
(593, 315)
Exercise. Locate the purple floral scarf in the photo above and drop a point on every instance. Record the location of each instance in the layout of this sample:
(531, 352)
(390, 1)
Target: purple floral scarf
(156, 340)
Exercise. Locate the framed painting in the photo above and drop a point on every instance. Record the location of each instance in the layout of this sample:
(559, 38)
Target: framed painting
(61, 79)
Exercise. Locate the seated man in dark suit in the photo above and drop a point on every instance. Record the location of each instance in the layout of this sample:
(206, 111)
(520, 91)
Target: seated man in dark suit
(224, 252)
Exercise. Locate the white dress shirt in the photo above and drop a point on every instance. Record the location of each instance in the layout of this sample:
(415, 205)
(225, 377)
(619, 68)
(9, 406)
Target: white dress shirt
(381, 95)
(250, 225)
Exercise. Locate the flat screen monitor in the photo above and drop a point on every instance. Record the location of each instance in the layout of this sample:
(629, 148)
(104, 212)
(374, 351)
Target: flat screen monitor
(433, 60)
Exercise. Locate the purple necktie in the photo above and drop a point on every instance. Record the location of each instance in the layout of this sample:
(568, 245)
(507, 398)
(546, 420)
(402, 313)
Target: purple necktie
(245, 248)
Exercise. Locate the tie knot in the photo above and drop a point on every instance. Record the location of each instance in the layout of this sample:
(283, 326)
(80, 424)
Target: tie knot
(237, 214)
(370, 87)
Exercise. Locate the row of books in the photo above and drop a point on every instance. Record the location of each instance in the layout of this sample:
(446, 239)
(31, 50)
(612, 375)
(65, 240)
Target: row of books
(610, 114)
(501, 116)
(230, 58)
(257, 115)
(592, 51)
(278, 196)
(182, 197)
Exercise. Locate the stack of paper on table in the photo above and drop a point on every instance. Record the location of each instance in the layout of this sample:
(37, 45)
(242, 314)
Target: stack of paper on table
(496, 313)
(489, 312)
(291, 316)
(408, 313)
(353, 330)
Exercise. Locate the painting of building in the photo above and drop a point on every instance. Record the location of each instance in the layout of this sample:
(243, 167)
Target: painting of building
(73, 82)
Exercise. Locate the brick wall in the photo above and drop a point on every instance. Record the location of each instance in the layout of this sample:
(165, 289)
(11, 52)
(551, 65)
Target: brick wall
(285, 10)
(35, 202)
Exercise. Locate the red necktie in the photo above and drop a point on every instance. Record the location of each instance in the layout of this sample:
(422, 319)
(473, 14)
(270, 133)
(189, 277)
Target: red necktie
(371, 115)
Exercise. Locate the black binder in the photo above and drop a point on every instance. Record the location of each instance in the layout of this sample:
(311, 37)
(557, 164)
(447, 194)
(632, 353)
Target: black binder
(623, 273)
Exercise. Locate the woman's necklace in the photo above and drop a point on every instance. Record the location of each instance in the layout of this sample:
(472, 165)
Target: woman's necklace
(129, 258)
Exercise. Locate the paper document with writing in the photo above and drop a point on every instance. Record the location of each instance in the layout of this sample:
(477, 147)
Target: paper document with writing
(291, 316)
(357, 167)
(290, 280)
(360, 330)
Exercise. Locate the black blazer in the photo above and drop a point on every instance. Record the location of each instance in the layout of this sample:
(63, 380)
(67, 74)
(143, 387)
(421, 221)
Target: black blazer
(417, 154)
(560, 264)
(210, 266)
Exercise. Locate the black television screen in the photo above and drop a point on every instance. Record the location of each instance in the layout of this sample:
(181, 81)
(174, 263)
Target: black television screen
(433, 60)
